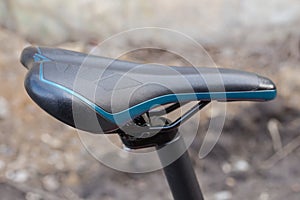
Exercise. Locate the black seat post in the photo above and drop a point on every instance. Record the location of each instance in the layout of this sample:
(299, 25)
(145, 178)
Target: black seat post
(180, 174)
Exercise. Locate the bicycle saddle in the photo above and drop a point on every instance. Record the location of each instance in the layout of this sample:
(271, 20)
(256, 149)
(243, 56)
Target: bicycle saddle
(75, 87)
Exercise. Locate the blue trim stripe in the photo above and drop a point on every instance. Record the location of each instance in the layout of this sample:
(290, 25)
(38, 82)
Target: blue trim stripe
(40, 58)
(39, 50)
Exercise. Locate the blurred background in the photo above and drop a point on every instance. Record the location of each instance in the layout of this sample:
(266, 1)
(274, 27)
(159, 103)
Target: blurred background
(258, 154)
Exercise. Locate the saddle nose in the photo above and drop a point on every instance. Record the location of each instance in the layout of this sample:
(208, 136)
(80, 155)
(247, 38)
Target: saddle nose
(27, 57)
(265, 84)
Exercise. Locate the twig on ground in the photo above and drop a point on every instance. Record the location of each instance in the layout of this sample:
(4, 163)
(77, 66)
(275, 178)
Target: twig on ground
(279, 155)
(275, 135)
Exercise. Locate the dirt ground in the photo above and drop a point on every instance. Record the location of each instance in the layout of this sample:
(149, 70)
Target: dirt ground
(41, 158)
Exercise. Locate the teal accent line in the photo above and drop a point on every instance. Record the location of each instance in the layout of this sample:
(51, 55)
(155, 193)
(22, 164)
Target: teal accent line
(40, 58)
(134, 111)
(39, 50)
